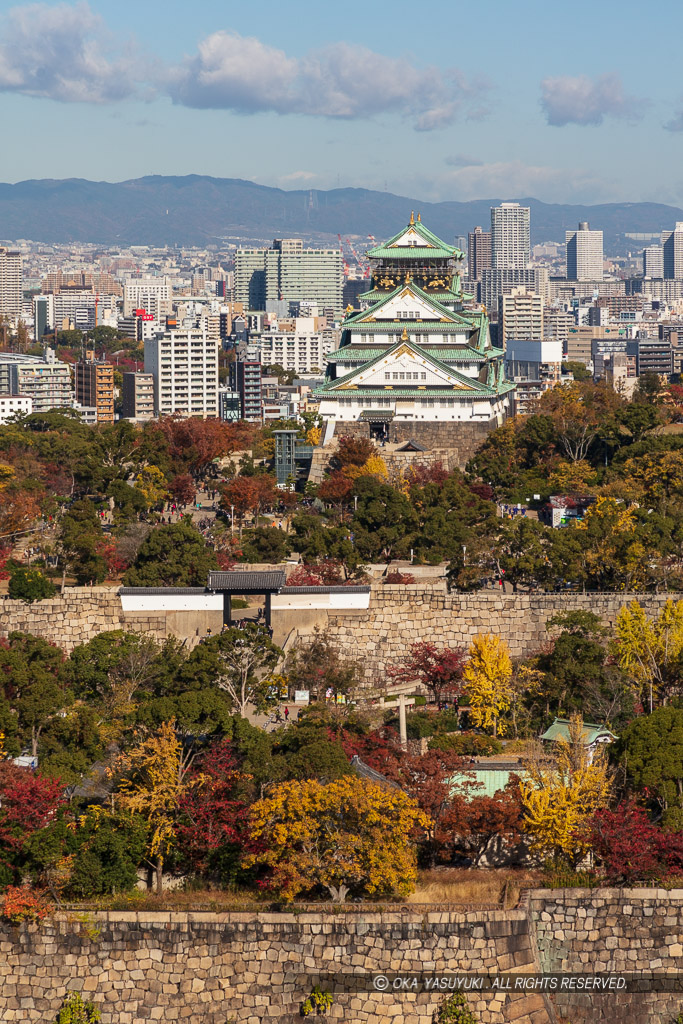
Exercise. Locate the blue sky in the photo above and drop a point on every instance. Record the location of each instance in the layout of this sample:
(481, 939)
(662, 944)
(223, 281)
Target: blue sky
(439, 100)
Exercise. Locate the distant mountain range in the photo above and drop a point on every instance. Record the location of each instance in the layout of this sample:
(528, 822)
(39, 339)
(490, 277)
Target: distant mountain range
(198, 210)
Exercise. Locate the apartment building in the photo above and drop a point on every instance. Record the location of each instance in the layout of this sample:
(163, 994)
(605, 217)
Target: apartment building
(520, 315)
(94, 387)
(184, 366)
(245, 379)
(138, 396)
(46, 381)
(478, 253)
(510, 241)
(153, 294)
(584, 254)
(11, 282)
(287, 272)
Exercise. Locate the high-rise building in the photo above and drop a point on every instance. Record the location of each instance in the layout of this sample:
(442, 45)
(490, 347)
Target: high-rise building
(287, 272)
(584, 254)
(510, 241)
(11, 293)
(94, 387)
(520, 315)
(478, 253)
(153, 294)
(245, 379)
(138, 396)
(672, 244)
(501, 280)
(653, 261)
(184, 365)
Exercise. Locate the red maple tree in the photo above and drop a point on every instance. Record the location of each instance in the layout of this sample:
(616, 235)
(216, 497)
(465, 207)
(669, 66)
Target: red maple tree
(28, 803)
(440, 671)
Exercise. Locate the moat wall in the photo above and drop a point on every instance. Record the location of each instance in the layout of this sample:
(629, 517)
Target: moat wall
(258, 968)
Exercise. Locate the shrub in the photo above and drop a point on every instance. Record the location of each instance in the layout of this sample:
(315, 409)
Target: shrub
(454, 1010)
(467, 744)
(399, 577)
(29, 585)
(75, 1011)
(20, 903)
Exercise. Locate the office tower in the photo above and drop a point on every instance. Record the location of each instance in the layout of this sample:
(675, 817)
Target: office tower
(653, 261)
(153, 294)
(478, 253)
(94, 387)
(245, 379)
(138, 396)
(42, 315)
(184, 364)
(287, 272)
(11, 293)
(520, 315)
(584, 254)
(510, 244)
(652, 355)
(672, 244)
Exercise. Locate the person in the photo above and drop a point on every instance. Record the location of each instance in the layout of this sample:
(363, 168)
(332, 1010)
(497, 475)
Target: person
(286, 714)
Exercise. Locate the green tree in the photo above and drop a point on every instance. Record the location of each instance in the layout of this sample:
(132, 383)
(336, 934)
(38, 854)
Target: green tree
(172, 556)
(238, 662)
(80, 537)
(34, 681)
(29, 585)
(265, 544)
(522, 552)
(650, 751)
(108, 850)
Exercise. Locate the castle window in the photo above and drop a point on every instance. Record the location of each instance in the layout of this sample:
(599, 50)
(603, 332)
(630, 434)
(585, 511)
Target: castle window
(423, 376)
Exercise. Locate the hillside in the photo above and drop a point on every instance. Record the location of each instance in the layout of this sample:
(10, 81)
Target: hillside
(198, 210)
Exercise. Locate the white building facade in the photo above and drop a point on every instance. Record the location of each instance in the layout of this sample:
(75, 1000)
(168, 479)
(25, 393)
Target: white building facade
(184, 365)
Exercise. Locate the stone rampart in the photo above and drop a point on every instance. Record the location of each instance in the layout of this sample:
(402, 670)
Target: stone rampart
(614, 932)
(401, 615)
(258, 968)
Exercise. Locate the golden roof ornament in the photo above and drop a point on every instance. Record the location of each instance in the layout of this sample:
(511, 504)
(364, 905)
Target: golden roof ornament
(412, 217)
(404, 336)
(419, 218)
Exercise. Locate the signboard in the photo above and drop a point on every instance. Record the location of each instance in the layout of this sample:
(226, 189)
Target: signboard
(302, 696)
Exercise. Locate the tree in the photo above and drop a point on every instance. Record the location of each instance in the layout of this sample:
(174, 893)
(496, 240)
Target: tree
(561, 794)
(172, 556)
(317, 665)
(108, 849)
(353, 451)
(336, 489)
(488, 676)
(630, 848)
(579, 371)
(650, 750)
(29, 585)
(213, 826)
(152, 484)
(18, 511)
(266, 544)
(349, 836)
(29, 802)
(650, 650)
(80, 536)
(577, 411)
(522, 552)
(440, 671)
(238, 661)
(454, 1010)
(183, 489)
(153, 780)
(34, 682)
(476, 821)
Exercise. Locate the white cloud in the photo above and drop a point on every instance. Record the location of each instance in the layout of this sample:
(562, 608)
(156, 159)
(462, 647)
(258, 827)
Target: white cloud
(59, 52)
(511, 180)
(583, 100)
(242, 74)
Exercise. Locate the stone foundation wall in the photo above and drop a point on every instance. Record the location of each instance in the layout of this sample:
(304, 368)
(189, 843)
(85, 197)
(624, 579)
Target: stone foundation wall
(401, 615)
(611, 931)
(460, 438)
(258, 968)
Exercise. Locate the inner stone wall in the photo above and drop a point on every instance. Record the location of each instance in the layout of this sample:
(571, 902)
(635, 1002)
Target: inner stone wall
(461, 439)
(401, 615)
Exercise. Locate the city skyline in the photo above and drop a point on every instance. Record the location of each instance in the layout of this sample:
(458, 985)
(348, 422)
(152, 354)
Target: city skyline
(295, 100)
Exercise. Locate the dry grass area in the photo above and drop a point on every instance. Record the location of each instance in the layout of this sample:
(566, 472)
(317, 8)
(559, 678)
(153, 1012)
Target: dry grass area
(180, 900)
(473, 887)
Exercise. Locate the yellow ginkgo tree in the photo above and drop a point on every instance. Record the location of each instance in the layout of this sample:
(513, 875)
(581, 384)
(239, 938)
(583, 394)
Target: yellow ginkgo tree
(649, 649)
(349, 835)
(488, 681)
(560, 791)
(153, 777)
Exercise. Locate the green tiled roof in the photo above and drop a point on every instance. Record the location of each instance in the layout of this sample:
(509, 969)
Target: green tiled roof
(417, 326)
(449, 296)
(471, 385)
(559, 730)
(412, 252)
(476, 388)
(435, 247)
(357, 317)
